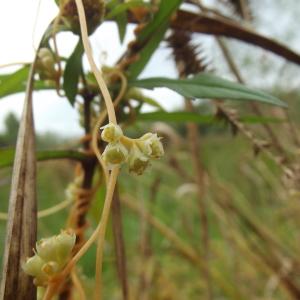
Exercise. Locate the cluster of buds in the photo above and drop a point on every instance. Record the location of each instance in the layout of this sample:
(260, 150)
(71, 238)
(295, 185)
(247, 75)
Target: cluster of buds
(136, 152)
(45, 65)
(72, 189)
(50, 257)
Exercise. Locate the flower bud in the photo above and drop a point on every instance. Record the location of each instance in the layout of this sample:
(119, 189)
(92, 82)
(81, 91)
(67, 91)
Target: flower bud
(51, 268)
(46, 64)
(115, 153)
(57, 248)
(151, 145)
(65, 243)
(46, 249)
(33, 267)
(111, 133)
(138, 161)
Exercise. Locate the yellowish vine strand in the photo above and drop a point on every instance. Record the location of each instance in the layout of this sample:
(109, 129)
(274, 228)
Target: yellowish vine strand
(101, 119)
(98, 233)
(87, 47)
(78, 285)
(101, 234)
(100, 242)
(106, 209)
(45, 212)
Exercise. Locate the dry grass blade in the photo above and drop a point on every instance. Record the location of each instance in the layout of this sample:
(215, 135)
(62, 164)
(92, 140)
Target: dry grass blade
(184, 249)
(22, 222)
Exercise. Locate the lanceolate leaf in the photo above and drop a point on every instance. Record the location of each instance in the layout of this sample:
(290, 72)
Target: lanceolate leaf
(182, 117)
(145, 54)
(166, 9)
(72, 73)
(7, 156)
(16, 82)
(209, 87)
(178, 117)
(121, 21)
(150, 37)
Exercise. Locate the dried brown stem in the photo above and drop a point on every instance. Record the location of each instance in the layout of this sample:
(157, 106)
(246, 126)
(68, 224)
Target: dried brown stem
(218, 26)
(193, 138)
(183, 248)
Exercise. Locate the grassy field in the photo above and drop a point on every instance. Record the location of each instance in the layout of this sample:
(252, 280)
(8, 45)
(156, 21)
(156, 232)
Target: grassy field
(252, 225)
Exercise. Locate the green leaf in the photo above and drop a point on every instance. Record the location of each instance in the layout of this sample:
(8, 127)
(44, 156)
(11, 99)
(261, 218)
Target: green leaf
(7, 156)
(72, 73)
(150, 101)
(260, 120)
(178, 117)
(150, 37)
(121, 21)
(145, 54)
(182, 117)
(162, 17)
(13, 83)
(208, 86)
(16, 82)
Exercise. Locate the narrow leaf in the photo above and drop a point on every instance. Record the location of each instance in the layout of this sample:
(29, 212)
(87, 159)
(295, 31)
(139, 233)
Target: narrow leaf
(122, 25)
(178, 117)
(7, 155)
(16, 82)
(152, 34)
(182, 117)
(145, 54)
(72, 73)
(166, 9)
(209, 87)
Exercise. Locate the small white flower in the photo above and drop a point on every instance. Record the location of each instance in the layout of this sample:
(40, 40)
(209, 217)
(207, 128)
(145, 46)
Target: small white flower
(33, 267)
(115, 153)
(138, 161)
(111, 133)
(151, 145)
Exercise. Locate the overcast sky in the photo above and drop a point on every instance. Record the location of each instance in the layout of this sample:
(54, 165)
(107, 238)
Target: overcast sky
(20, 32)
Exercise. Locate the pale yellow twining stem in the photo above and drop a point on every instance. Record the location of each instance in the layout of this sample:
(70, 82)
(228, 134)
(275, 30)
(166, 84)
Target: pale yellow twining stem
(100, 230)
(96, 71)
(56, 282)
(105, 214)
(78, 285)
(45, 212)
(112, 119)
(102, 118)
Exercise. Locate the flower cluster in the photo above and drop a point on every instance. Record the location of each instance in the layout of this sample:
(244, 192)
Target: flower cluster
(136, 152)
(50, 257)
(72, 189)
(45, 65)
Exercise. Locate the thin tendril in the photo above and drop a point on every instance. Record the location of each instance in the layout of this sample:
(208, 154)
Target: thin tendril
(96, 71)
